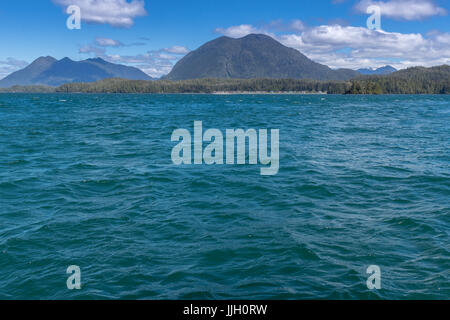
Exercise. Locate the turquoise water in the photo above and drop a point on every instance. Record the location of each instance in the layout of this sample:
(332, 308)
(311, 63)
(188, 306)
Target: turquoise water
(88, 180)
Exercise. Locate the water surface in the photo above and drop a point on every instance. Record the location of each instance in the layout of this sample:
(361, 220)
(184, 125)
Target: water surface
(88, 180)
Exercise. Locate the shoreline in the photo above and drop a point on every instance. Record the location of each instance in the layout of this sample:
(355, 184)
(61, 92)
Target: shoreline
(238, 93)
(266, 92)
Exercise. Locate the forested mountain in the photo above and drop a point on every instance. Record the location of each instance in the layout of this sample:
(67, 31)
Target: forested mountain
(51, 72)
(417, 80)
(250, 57)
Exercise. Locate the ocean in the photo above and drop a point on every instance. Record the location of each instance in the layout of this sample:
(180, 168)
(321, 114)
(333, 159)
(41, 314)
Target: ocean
(88, 180)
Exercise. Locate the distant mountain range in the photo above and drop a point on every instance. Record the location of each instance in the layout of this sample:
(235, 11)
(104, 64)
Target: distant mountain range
(253, 56)
(51, 72)
(379, 71)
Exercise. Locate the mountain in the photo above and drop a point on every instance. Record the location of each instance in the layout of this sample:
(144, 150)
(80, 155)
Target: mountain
(51, 72)
(379, 71)
(26, 75)
(415, 80)
(253, 56)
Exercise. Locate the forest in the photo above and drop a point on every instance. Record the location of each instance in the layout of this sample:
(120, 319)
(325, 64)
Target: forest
(417, 80)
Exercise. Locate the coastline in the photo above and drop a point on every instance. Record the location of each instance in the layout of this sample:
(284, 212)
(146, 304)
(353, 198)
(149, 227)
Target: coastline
(267, 92)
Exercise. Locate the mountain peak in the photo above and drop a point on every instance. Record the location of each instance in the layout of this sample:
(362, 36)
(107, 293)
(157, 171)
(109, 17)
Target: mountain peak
(66, 59)
(49, 71)
(252, 56)
(98, 59)
(44, 60)
(380, 71)
(258, 36)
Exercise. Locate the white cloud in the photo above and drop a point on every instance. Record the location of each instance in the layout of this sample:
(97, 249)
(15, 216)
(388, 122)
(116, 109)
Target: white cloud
(92, 49)
(269, 29)
(177, 50)
(118, 13)
(14, 62)
(11, 65)
(279, 25)
(152, 64)
(106, 42)
(404, 9)
(164, 56)
(297, 25)
(356, 47)
(240, 31)
(155, 63)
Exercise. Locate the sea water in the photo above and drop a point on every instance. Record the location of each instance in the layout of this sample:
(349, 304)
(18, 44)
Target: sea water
(88, 181)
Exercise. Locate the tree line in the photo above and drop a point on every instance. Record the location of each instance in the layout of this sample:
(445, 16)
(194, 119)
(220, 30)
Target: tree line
(417, 80)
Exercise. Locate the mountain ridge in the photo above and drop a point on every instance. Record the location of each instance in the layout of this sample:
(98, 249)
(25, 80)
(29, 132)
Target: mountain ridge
(252, 56)
(52, 72)
(379, 71)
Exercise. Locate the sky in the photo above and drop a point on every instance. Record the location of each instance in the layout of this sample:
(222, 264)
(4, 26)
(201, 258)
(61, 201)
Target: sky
(154, 34)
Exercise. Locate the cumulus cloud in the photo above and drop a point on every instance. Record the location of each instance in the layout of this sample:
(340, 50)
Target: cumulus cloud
(155, 63)
(404, 9)
(118, 13)
(357, 47)
(151, 63)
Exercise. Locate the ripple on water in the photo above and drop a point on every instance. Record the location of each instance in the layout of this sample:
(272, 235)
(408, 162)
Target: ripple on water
(88, 180)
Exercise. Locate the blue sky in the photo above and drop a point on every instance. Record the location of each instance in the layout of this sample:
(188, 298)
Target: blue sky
(153, 34)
